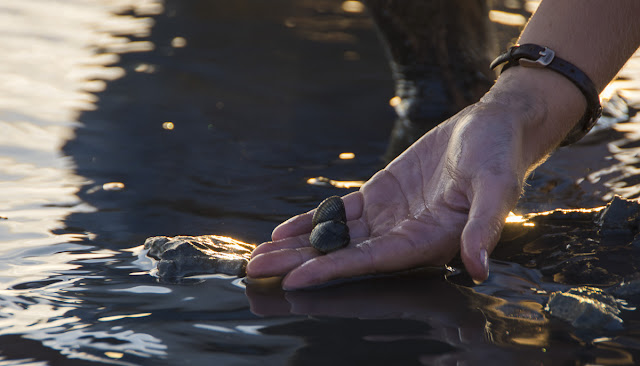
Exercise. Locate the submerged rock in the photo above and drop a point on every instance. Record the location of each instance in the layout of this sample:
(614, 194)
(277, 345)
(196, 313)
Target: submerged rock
(581, 247)
(182, 256)
(586, 307)
(628, 289)
(620, 215)
(594, 251)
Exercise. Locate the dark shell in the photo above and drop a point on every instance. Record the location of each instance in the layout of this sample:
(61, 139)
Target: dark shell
(329, 236)
(331, 209)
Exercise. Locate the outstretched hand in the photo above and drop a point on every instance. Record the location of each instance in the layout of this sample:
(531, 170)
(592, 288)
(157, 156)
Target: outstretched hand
(450, 191)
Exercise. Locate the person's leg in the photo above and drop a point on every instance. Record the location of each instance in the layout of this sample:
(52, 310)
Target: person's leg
(439, 51)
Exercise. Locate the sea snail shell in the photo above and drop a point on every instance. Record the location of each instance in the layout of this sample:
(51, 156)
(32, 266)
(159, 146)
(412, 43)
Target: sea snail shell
(330, 231)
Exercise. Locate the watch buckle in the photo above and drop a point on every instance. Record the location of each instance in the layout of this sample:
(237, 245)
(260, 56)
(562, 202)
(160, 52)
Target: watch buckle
(546, 56)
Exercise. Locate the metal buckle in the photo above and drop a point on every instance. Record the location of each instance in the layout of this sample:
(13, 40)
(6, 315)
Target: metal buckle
(546, 56)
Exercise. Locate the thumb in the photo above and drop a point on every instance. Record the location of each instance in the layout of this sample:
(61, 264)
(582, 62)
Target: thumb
(490, 205)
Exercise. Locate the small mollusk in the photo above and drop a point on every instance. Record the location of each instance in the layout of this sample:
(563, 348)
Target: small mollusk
(329, 236)
(331, 209)
(330, 231)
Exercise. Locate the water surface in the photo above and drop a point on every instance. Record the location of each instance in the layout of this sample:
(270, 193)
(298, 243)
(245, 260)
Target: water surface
(123, 119)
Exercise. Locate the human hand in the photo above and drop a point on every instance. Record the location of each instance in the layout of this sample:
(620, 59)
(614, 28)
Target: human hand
(450, 191)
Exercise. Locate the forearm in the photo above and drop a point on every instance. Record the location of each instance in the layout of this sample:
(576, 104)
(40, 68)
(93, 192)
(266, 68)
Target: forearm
(596, 36)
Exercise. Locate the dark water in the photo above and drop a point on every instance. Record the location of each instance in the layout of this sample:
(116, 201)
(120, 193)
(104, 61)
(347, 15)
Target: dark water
(260, 96)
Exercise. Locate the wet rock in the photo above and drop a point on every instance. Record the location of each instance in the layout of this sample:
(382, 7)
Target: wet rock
(578, 247)
(628, 289)
(182, 256)
(586, 249)
(582, 270)
(586, 307)
(635, 243)
(620, 214)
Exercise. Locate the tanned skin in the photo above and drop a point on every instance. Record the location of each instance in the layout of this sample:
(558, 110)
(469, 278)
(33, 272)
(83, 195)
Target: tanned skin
(452, 190)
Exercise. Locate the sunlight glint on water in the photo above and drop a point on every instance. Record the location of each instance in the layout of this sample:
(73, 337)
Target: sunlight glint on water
(47, 75)
(48, 64)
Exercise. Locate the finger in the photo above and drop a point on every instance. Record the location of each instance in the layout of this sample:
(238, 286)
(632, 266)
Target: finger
(357, 229)
(295, 226)
(391, 252)
(490, 206)
(280, 262)
(301, 224)
(282, 256)
(286, 243)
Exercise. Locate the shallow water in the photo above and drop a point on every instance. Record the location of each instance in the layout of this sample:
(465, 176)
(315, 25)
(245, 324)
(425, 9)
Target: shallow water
(123, 119)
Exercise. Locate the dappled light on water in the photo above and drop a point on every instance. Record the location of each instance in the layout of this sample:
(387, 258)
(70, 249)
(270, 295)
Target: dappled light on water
(353, 6)
(324, 182)
(45, 89)
(513, 218)
(202, 117)
(395, 101)
(347, 156)
(51, 70)
(507, 18)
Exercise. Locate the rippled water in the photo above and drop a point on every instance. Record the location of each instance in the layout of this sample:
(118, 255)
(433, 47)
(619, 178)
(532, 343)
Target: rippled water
(123, 119)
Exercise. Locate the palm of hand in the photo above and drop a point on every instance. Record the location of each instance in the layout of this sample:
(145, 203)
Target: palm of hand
(412, 213)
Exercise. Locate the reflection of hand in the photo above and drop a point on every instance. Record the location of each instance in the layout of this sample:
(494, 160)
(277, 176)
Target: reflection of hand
(406, 296)
(449, 191)
(395, 316)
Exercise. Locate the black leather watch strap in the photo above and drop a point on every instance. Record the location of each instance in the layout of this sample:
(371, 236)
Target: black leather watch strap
(532, 55)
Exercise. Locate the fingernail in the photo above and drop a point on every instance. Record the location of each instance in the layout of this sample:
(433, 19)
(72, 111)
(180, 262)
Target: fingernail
(484, 261)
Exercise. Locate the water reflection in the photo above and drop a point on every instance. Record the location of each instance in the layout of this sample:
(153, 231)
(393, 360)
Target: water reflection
(421, 315)
(124, 119)
(147, 152)
(414, 316)
(48, 77)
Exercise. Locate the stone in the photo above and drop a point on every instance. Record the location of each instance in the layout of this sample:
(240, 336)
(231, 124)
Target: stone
(628, 289)
(182, 256)
(620, 214)
(586, 308)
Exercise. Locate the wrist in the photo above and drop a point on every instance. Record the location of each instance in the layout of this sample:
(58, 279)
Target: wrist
(544, 106)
